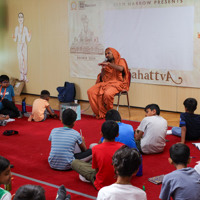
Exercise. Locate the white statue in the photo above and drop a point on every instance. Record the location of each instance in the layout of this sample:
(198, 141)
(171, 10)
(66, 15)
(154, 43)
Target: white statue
(20, 36)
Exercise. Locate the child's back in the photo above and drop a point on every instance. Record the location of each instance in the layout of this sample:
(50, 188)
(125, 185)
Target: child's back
(126, 162)
(192, 123)
(184, 182)
(39, 107)
(63, 141)
(102, 160)
(189, 122)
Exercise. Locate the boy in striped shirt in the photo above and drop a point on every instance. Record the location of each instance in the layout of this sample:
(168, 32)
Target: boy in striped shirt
(65, 141)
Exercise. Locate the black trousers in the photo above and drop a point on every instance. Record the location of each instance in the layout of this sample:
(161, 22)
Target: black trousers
(9, 109)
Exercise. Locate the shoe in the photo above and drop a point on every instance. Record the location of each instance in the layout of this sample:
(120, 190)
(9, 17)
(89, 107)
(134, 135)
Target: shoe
(10, 132)
(68, 197)
(61, 194)
(83, 179)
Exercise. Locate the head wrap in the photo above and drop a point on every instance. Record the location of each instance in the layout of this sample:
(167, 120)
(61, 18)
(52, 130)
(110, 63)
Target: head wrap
(116, 55)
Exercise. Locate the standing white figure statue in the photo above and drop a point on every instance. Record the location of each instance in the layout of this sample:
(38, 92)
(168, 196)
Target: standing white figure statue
(20, 36)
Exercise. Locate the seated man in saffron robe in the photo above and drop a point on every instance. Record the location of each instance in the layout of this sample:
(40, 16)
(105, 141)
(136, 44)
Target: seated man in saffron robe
(114, 78)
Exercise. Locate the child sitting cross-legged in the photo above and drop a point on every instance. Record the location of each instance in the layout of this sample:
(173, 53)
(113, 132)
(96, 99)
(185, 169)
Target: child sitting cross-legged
(5, 178)
(184, 182)
(101, 172)
(7, 98)
(67, 144)
(126, 162)
(189, 122)
(41, 108)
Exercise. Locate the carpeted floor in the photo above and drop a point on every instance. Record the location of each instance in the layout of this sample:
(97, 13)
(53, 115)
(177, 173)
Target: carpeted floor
(29, 151)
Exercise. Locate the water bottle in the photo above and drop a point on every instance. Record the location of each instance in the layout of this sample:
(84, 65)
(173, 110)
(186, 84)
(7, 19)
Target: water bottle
(24, 105)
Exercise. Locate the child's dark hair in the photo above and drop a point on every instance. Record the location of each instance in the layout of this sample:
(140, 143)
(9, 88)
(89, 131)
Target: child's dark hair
(30, 192)
(113, 115)
(126, 161)
(4, 164)
(69, 117)
(44, 94)
(179, 153)
(190, 104)
(110, 129)
(152, 107)
(4, 78)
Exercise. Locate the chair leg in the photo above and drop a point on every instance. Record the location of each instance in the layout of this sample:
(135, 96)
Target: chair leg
(128, 100)
(118, 102)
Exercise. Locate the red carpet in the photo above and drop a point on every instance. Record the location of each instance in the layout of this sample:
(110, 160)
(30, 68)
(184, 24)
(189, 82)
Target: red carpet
(29, 151)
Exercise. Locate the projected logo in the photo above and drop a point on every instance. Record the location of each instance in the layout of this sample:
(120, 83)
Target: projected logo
(86, 42)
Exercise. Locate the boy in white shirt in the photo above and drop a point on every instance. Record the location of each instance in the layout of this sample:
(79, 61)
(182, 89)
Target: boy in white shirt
(126, 162)
(150, 135)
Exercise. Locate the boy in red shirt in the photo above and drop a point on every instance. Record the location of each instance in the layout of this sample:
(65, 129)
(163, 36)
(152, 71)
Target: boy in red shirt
(101, 172)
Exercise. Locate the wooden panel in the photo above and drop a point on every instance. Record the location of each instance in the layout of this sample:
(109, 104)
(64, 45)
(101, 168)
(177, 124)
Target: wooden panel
(184, 93)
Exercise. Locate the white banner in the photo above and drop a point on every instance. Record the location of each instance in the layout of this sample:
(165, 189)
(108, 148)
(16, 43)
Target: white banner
(160, 39)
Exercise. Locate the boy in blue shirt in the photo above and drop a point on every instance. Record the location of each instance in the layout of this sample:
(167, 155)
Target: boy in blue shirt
(189, 122)
(7, 99)
(184, 182)
(126, 132)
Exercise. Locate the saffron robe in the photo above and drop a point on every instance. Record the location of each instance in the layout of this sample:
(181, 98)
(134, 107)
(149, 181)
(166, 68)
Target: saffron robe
(101, 95)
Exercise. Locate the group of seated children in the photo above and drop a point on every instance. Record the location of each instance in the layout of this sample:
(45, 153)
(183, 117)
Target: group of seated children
(100, 164)
(40, 111)
(183, 183)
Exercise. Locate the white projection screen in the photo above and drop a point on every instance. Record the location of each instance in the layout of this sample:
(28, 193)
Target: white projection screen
(160, 41)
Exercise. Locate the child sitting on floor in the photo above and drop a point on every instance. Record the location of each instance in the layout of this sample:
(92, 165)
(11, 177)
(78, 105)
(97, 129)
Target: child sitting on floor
(101, 172)
(7, 98)
(126, 162)
(65, 141)
(150, 135)
(5, 177)
(189, 122)
(184, 182)
(41, 108)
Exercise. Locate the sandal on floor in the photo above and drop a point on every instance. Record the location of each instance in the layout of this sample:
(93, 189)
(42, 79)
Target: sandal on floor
(10, 132)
